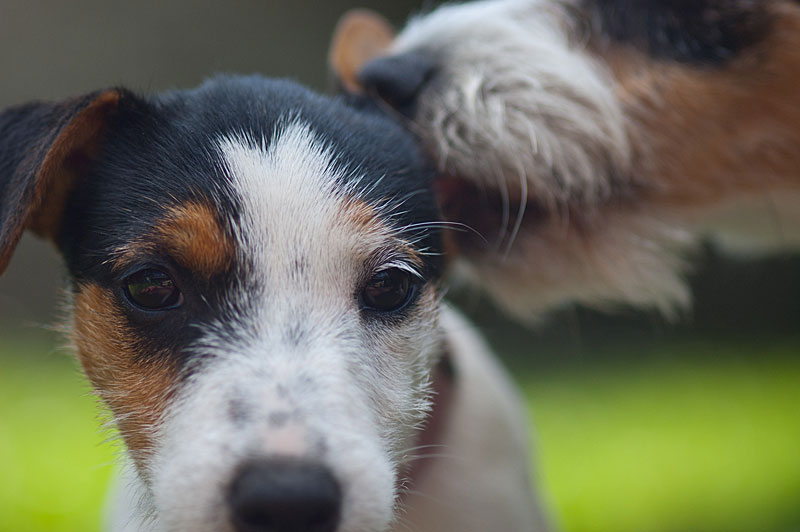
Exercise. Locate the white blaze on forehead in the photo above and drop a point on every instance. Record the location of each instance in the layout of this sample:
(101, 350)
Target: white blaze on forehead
(300, 210)
(288, 189)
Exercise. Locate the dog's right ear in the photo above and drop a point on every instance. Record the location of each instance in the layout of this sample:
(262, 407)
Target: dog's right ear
(360, 36)
(44, 149)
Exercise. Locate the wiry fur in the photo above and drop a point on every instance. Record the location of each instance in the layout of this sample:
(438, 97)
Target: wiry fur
(612, 262)
(516, 104)
(519, 106)
(271, 213)
(610, 144)
(349, 396)
(327, 376)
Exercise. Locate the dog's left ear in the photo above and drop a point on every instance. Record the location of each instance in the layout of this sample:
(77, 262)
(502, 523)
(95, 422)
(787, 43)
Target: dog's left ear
(360, 36)
(44, 149)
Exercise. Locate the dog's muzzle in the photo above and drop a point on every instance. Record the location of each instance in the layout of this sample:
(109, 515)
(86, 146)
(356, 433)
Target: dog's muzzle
(398, 79)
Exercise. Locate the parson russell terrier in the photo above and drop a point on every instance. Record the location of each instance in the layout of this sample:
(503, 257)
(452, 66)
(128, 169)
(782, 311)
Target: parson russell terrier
(255, 276)
(606, 137)
(256, 271)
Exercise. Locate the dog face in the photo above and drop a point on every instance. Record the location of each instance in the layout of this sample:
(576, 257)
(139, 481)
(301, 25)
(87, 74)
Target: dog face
(254, 274)
(607, 137)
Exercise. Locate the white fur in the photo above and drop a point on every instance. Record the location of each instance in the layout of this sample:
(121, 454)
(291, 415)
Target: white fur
(519, 105)
(476, 478)
(626, 258)
(332, 379)
(516, 102)
(354, 393)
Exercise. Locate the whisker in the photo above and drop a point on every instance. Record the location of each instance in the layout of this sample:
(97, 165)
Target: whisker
(523, 204)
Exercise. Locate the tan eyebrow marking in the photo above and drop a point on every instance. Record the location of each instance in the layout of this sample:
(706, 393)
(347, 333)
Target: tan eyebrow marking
(365, 218)
(191, 234)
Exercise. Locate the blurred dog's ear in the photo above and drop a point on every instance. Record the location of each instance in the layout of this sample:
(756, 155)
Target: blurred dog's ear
(360, 35)
(44, 149)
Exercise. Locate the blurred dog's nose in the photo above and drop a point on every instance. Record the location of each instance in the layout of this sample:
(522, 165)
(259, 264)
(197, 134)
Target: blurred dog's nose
(397, 79)
(285, 496)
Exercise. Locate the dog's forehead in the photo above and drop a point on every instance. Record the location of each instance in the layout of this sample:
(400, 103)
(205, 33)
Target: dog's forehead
(303, 215)
(241, 155)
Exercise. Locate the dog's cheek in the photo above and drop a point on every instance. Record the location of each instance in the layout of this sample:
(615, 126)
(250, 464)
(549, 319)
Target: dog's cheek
(136, 388)
(397, 371)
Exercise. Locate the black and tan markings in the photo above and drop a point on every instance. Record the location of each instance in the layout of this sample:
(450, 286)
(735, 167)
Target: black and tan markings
(123, 183)
(708, 129)
(696, 32)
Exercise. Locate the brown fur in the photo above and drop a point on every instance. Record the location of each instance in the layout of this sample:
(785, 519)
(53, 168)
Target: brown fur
(703, 138)
(702, 135)
(359, 36)
(191, 234)
(136, 384)
(67, 157)
(54, 165)
(364, 218)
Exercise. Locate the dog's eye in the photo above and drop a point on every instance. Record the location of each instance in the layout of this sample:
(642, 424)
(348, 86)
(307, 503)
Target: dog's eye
(388, 290)
(152, 290)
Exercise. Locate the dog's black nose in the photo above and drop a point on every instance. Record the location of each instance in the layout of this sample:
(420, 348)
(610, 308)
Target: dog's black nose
(398, 79)
(285, 496)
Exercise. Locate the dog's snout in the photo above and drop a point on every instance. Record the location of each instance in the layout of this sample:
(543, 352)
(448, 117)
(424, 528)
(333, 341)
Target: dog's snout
(285, 496)
(398, 79)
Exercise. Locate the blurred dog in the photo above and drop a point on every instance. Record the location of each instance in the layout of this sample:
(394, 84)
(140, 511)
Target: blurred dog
(604, 138)
(255, 276)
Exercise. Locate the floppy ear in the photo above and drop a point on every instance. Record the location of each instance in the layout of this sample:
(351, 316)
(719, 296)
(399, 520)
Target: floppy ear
(360, 35)
(44, 149)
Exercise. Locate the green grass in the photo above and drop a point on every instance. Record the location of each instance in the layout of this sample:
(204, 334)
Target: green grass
(682, 446)
(55, 469)
(687, 444)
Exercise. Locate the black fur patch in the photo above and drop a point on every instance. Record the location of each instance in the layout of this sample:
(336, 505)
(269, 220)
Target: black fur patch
(701, 32)
(398, 79)
(26, 135)
(160, 152)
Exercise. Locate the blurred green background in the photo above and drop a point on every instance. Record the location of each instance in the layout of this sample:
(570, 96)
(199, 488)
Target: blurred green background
(641, 426)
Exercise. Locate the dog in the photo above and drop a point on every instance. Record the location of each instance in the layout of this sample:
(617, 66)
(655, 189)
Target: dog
(256, 282)
(605, 138)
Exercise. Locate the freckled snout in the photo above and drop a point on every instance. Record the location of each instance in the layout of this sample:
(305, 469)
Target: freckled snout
(398, 79)
(285, 495)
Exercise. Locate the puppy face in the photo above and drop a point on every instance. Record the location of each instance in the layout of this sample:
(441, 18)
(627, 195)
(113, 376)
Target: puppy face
(603, 135)
(255, 281)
